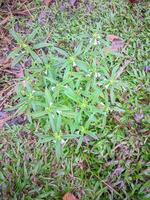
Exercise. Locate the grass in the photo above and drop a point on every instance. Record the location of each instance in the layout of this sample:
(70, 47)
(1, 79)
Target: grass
(85, 134)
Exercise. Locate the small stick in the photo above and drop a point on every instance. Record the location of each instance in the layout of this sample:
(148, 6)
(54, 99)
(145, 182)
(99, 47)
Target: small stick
(19, 12)
(111, 188)
(29, 12)
(6, 97)
(122, 68)
(4, 21)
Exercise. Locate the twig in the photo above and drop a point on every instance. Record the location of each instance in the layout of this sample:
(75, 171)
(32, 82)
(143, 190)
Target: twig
(6, 89)
(6, 97)
(119, 145)
(111, 188)
(6, 119)
(122, 68)
(4, 21)
(19, 12)
(8, 71)
(29, 12)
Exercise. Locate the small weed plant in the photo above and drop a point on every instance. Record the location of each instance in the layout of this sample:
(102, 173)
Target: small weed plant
(69, 94)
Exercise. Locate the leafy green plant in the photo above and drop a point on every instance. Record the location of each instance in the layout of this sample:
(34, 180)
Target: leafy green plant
(26, 47)
(64, 88)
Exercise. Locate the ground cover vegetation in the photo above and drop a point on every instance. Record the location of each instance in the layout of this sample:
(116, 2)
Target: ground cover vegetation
(74, 104)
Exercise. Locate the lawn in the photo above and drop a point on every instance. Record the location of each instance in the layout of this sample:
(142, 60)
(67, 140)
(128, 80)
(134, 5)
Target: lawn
(74, 100)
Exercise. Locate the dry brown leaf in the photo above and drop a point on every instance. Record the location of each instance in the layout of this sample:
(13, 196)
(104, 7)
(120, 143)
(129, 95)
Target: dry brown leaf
(100, 106)
(47, 2)
(3, 118)
(117, 43)
(117, 118)
(73, 2)
(134, 1)
(69, 196)
(77, 69)
(19, 73)
(111, 38)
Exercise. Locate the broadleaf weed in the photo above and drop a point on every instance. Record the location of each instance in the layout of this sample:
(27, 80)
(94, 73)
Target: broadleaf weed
(63, 99)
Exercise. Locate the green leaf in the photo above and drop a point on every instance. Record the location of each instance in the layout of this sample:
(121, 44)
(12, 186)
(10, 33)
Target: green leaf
(31, 36)
(46, 138)
(38, 114)
(71, 94)
(17, 106)
(18, 59)
(79, 143)
(35, 57)
(82, 65)
(41, 45)
(50, 78)
(114, 71)
(22, 109)
(117, 109)
(88, 48)
(112, 96)
(145, 186)
(68, 114)
(58, 123)
(61, 51)
(48, 96)
(14, 53)
(42, 196)
(104, 120)
(2, 178)
(25, 172)
(58, 149)
(147, 197)
(52, 123)
(78, 49)
(16, 36)
(71, 136)
(93, 135)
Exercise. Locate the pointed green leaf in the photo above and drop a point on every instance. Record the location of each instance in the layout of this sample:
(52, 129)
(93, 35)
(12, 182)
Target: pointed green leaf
(112, 96)
(78, 49)
(39, 114)
(71, 94)
(46, 138)
(14, 53)
(48, 96)
(18, 59)
(71, 136)
(41, 45)
(58, 123)
(52, 123)
(61, 51)
(82, 65)
(58, 149)
(16, 36)
(31, 36)
(35, 57)
(79, 143)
